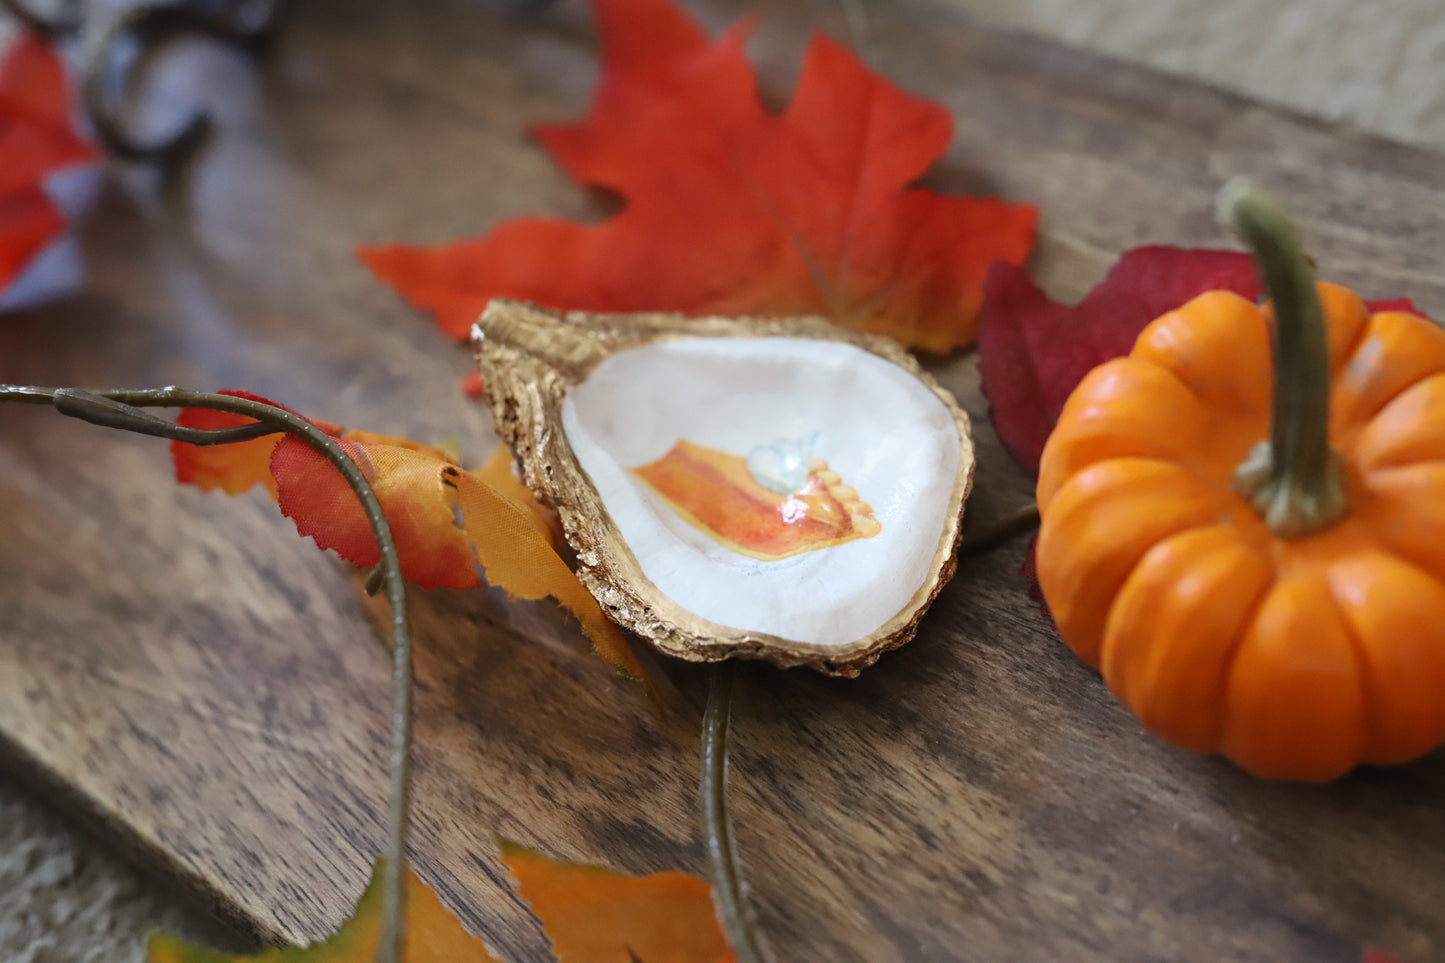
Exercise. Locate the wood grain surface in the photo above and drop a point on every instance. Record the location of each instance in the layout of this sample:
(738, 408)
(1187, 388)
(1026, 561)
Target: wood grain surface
(183, 670)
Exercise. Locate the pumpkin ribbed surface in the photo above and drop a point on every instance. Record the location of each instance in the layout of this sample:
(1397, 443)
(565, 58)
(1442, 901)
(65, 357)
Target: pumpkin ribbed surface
(1296, 657)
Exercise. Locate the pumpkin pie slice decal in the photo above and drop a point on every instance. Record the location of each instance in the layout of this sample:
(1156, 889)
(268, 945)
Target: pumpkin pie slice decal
(777, 502)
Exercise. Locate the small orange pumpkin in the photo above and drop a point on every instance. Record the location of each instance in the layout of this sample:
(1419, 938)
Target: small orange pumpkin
(1260, 572)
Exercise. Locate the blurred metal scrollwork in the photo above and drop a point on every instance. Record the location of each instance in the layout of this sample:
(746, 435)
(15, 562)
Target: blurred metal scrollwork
(125, 40)
(62, 22)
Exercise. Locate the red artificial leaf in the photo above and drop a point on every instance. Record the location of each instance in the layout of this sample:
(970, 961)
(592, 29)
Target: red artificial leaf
(451, 528)
(29, 221)
(729, 209)
(408, 483)
(37, 133)
(233, 469)
(37, 139)
(1033, 352)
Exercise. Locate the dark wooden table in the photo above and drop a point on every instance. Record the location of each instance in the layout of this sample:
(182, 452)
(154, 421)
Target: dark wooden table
(183, 670)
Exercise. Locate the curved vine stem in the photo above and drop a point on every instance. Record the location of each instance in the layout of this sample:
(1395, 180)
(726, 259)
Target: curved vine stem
(124, 409)
(246, 23)
(727, 882)
(149, 25)
(250, 23)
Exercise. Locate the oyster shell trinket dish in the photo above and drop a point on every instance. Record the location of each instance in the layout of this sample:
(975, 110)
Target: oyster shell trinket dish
(784, 490)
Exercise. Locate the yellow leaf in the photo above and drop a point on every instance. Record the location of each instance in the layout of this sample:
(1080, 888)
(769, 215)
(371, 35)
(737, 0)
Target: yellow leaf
(505, 539)
(497, 474)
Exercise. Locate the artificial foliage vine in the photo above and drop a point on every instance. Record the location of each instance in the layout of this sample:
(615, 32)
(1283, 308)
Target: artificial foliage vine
(456, 528)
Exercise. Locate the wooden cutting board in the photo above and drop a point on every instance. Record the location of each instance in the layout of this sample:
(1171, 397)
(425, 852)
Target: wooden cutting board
(183, 670)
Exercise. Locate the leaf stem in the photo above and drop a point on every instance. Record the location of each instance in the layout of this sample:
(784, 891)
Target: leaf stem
(122, 409)
(727, 884)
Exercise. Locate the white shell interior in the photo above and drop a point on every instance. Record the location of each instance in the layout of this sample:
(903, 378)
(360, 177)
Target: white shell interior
(877, 425)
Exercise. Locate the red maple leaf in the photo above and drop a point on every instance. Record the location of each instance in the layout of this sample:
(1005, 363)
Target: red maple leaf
(37, 139)
(29, 222)
(729, 209)
(37, 130)
(1033, 352)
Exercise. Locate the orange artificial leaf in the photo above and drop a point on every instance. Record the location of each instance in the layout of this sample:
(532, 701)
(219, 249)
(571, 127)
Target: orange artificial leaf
(594, 915)
(729, 209)
(367, 438)
(516, 552)
(433, 935)
(497, 475)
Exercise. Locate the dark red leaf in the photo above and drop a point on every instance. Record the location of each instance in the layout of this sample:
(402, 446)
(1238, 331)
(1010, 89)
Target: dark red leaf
(1033, 352)
(1403, 305)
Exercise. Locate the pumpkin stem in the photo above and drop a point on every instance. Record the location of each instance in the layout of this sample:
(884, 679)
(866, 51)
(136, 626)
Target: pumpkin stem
(1293, 479)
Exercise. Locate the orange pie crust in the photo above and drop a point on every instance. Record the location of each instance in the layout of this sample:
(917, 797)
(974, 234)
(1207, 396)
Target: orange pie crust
(714, 492)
